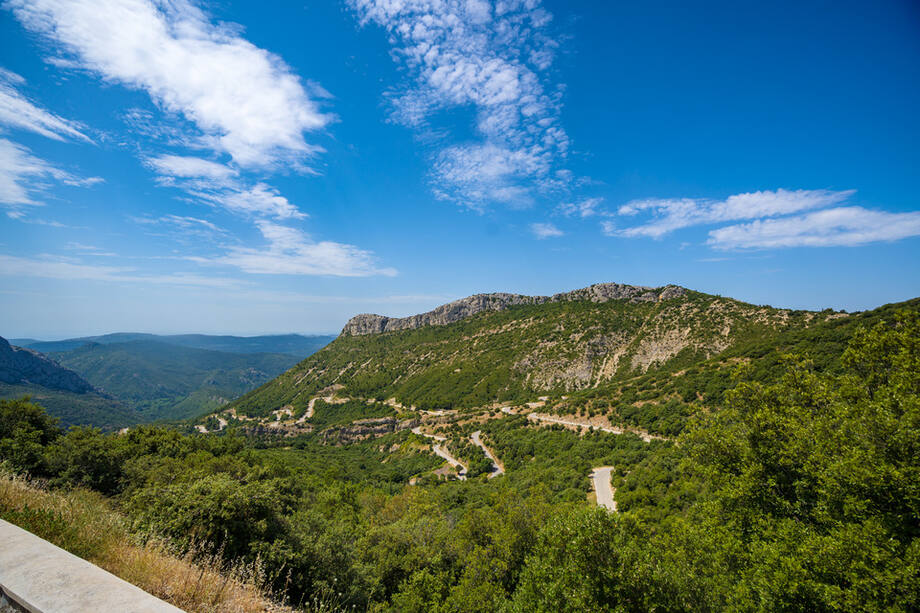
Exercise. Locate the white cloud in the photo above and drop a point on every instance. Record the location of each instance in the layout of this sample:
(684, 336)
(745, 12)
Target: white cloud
(545, 230)
(22, 175)
(486, 173)
(68, 269)
(90, 250)
(189, 167)
(260, 200)
(290, 252)
(18, 111)
(184, 226)
(588, 207)
(673, 214)
(19, 170)
(216, 185)
(836, 227)
(488, 56)
(245, 100)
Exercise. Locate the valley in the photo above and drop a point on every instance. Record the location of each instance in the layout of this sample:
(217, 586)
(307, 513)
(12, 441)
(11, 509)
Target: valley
(133, 378)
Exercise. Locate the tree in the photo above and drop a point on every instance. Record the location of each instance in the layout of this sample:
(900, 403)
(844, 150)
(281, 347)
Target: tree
(25, 429)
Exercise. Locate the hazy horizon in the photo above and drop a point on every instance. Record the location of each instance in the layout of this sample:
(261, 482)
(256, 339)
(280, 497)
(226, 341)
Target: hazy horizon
(335, 331)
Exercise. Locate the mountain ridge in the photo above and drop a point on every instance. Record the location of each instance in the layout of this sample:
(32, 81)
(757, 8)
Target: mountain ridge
(19, 365)
(500, 348)
(368, 323)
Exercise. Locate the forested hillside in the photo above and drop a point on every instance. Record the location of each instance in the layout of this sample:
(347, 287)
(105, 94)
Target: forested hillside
(163, 381)
(632, 363)
(121, 379)
(74, 400)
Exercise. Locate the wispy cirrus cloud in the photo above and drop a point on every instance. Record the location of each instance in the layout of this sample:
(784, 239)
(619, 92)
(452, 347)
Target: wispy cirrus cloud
(781, 218)
(186, 226)
(90, 250)
(18, 111)
(545, 230)
(259, 200)
(243, 101)
(290, 252)
(74, 269)
(492, 57)
(218, 185)
(179, 166)
(24, 177)
(835, 227)
(586, 207)
(670, 214)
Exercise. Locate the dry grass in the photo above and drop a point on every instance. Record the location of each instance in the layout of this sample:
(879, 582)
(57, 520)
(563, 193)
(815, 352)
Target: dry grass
(82, 522)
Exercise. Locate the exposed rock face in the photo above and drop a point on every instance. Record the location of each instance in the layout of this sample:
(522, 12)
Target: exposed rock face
(22, 366)
(467, 307)
(365, 428)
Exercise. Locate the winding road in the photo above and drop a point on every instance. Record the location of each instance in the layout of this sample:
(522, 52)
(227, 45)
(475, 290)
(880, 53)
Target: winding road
(600, 478)
(645, 436)
(442, 452)
(309, 412)
(496, 465)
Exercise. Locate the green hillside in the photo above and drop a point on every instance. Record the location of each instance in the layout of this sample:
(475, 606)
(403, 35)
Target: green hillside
(580, 349)
(72, 409)
(162, 381)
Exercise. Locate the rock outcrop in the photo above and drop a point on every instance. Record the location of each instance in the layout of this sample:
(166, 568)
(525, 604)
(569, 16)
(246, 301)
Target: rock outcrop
(20, 366)
(366, 428)
(472, 305)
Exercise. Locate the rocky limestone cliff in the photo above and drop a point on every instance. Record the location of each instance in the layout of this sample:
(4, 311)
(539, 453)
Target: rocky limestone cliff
(467, 307)
(24, 366)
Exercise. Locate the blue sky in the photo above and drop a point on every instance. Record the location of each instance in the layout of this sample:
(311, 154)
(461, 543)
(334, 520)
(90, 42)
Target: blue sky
(250, 168)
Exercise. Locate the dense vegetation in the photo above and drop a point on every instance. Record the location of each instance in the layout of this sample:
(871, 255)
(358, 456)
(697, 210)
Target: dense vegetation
(163, 381)
(141, 378)
(98, 409)
(801, 494)
(515, 354)
(645, 365)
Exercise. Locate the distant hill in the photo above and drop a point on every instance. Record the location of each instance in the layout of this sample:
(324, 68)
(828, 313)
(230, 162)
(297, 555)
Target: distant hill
(169, 381)
(297, 345)
(26, 366)
(66, 395)
(126, 378)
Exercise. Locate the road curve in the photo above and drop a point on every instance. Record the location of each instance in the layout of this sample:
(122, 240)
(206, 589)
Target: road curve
(600, 478)
(461, 469)
(645, 436)
(496, 466)
(442, 452)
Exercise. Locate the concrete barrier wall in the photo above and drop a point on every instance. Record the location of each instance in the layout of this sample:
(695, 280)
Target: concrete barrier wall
(41, 578)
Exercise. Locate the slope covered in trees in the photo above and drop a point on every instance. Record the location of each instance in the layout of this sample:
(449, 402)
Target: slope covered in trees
(647, 365)
(163, 381)
(24, 372)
